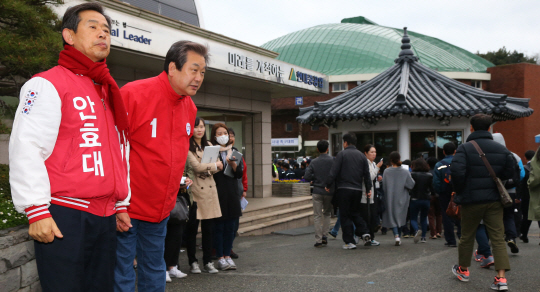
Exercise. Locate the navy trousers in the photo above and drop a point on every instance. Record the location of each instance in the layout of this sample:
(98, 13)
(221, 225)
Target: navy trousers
(84, 259)
(449, 223)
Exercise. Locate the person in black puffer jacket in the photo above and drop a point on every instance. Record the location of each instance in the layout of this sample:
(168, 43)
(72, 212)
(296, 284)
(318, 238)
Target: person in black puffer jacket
(479, 197)
(420, 197)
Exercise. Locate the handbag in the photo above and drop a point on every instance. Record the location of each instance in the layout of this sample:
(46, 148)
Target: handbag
(506, 200)
(180, 212)
(454, 210)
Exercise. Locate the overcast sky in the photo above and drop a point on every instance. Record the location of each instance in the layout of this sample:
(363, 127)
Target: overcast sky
(475, 25)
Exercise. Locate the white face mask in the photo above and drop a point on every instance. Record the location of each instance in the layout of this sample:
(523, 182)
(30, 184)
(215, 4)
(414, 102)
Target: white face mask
(222, 140)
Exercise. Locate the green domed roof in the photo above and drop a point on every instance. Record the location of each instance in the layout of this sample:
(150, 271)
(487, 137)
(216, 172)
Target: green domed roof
(361, 48)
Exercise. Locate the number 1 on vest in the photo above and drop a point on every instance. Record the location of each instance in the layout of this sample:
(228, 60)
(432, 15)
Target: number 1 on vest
(154, 125)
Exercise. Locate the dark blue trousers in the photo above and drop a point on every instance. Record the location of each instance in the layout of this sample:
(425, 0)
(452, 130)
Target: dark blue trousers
(449, 223)
(84, 259)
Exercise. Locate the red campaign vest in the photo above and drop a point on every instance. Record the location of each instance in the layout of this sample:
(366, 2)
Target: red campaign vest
(86, 170)
(161, 124)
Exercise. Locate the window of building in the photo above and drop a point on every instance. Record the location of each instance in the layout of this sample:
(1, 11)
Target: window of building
(477, 84)
(315, 127)
(288, 127)
(339, 87)
(384, 142)
(430, 143)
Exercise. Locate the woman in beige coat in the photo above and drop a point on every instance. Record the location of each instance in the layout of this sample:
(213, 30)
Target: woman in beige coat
(205, 204)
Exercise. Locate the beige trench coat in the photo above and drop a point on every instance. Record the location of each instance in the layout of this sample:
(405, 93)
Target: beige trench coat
(204, 188)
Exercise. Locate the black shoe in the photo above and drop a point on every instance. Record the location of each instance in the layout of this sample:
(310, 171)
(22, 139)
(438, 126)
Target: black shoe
(513, 246)
(324, 240)
(318, 244)
(234, 255)
(383, 232)
(524, 239)
(450, 244)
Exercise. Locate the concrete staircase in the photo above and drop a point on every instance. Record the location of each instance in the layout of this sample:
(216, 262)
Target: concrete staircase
(274, 215)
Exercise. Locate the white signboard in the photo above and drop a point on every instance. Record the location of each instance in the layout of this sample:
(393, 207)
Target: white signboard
(285, 142)
(138, 34)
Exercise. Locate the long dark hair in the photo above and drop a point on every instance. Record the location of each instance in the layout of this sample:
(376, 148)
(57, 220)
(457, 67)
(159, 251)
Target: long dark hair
(192, 144)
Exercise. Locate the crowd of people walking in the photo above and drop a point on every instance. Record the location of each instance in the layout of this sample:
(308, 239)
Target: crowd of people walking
(402, 195)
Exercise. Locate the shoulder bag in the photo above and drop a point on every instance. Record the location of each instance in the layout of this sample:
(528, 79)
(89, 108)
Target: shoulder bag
(453, 211)
(180, 212)
(506, 200)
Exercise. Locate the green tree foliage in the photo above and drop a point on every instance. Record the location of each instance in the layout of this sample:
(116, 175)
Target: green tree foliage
(504, 56)
(30, 34)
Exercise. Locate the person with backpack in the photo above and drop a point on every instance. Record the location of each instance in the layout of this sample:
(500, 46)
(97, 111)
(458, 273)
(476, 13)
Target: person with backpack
(442, 182)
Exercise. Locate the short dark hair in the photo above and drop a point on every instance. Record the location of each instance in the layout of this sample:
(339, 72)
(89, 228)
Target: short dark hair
(420, 165)
(368, 147)
(431, 161)
(213, 133)
(231, 131)
(395, 158)
(449, 148)
(350, 138)
(406, 162)
(178, 54)
(322, 146)
(72, 18)
(481, 122)
(286, 165)
(529, 154)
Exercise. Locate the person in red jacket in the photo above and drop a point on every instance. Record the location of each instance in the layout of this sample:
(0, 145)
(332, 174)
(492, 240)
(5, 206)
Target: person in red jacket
(161, 116)
(67, 170)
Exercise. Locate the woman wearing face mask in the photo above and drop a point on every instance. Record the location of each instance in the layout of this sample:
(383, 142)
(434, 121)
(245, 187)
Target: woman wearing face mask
(205, 206)
(228, 191)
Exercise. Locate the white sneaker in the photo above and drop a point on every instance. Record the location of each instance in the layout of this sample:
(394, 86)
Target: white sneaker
(375, 243)
(398, 241)
(349, 246)
(417, 236)
(223, 264)
(176, 273)
(367, 239)
(232, 265)
(167, 277)
(209, 268)
(195, 268)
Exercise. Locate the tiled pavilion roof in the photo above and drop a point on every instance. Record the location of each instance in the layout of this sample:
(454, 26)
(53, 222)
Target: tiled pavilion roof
(410, 88)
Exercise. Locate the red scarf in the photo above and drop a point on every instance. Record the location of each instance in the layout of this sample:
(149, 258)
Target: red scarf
(75, 61)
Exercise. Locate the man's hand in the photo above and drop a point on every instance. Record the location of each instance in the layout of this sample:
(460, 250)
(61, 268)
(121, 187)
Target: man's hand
(123, 222)
(327, 189)
(379, 178)
(368, 195)
(219, 165)
(44, 230)
(244, 194)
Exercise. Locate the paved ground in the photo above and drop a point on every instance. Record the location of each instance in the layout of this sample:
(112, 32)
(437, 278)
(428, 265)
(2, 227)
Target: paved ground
(291, 263)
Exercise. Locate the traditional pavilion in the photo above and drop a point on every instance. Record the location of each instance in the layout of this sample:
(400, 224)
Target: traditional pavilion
(410, 108)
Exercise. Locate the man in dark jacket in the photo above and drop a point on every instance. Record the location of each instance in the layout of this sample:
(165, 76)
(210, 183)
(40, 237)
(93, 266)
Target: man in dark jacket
(318, 172)
(479, 197)
(350, 168)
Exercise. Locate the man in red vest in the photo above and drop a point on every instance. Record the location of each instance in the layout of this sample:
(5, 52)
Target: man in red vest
(161, 117)
(67, 170)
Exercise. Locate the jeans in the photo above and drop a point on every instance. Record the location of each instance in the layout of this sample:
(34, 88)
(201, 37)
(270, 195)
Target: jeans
(147, 241)
(449, 223)
(396, 231)
(483, 241)
(224, 236)
(349, 208)
(322, 209)
(422, 207)
(84, 259)
(335, 230)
